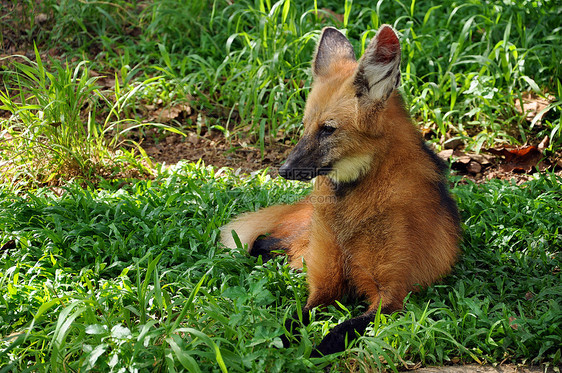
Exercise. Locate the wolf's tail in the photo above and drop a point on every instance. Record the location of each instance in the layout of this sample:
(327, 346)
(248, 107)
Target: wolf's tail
(282, 222)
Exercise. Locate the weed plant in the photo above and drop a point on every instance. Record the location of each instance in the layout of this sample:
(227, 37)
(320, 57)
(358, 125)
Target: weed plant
(134, 278)
(54, 130)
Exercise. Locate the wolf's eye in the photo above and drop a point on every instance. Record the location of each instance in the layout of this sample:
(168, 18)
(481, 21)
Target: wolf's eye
(326, 130)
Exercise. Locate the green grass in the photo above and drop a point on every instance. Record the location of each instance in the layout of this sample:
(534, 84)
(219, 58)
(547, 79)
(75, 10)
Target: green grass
(135, 278)
(129, 274)
(464, 65)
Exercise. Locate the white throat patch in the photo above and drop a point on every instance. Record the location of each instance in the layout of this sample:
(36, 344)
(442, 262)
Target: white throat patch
(351, 168)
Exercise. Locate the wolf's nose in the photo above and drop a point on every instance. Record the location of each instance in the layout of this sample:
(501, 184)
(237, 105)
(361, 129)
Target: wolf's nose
(286, 172)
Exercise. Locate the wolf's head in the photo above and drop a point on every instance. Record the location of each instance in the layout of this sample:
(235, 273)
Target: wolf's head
(346, 108)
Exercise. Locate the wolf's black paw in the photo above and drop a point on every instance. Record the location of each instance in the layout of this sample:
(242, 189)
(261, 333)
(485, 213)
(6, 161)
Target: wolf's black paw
(333, 342)
(338, 339)
(292, 324)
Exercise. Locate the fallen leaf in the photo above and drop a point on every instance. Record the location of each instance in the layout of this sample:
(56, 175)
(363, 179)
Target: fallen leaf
(523, 159)
(445, 154)
(533, 105)
(464, 159)
(193, 138)
(41, 18)
(512, 324)
(169, 140)
(452, 143)
(106, 82)
(168, 114)
(484, 160)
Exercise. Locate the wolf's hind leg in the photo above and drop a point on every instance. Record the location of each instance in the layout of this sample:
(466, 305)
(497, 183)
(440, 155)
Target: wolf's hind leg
(266, 247)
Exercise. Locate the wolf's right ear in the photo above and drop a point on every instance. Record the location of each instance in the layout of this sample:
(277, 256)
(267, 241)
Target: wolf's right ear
(333, 46)
(378, 72)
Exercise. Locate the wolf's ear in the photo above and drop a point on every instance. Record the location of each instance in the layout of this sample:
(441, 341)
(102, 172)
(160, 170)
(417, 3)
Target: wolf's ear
(378, 73)
(333, 46)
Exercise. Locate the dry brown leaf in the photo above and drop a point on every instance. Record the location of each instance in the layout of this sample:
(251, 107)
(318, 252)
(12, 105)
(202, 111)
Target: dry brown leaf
(452, 143)
(533, 105)
(464, 159)
(167, 114)
(41, 18)
(105, 81)
(445, 154)
(512, 324)
(523, 159)
(481, 158)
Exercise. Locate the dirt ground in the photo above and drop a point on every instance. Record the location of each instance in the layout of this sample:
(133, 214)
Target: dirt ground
(215, 150)
(517, 163)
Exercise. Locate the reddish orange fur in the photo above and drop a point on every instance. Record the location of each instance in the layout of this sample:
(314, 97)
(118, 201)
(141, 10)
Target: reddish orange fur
(391, 230)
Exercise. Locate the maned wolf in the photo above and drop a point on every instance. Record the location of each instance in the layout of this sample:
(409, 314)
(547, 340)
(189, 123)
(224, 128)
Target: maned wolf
(380, 220)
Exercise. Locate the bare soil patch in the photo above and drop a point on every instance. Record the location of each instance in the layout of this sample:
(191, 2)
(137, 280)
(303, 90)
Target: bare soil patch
(214, 149)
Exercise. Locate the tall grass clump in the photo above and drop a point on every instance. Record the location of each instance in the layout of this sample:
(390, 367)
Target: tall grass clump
(45, 133)
(61, 125)
(253, 70)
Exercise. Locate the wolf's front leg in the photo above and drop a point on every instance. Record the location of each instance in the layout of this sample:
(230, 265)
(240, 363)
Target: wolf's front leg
(388, 296)
(325, 265)
(325, 273)
(339, 337)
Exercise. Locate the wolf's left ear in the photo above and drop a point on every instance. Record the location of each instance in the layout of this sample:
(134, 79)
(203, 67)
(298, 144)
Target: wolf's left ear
(332, 47)
(378, 73)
